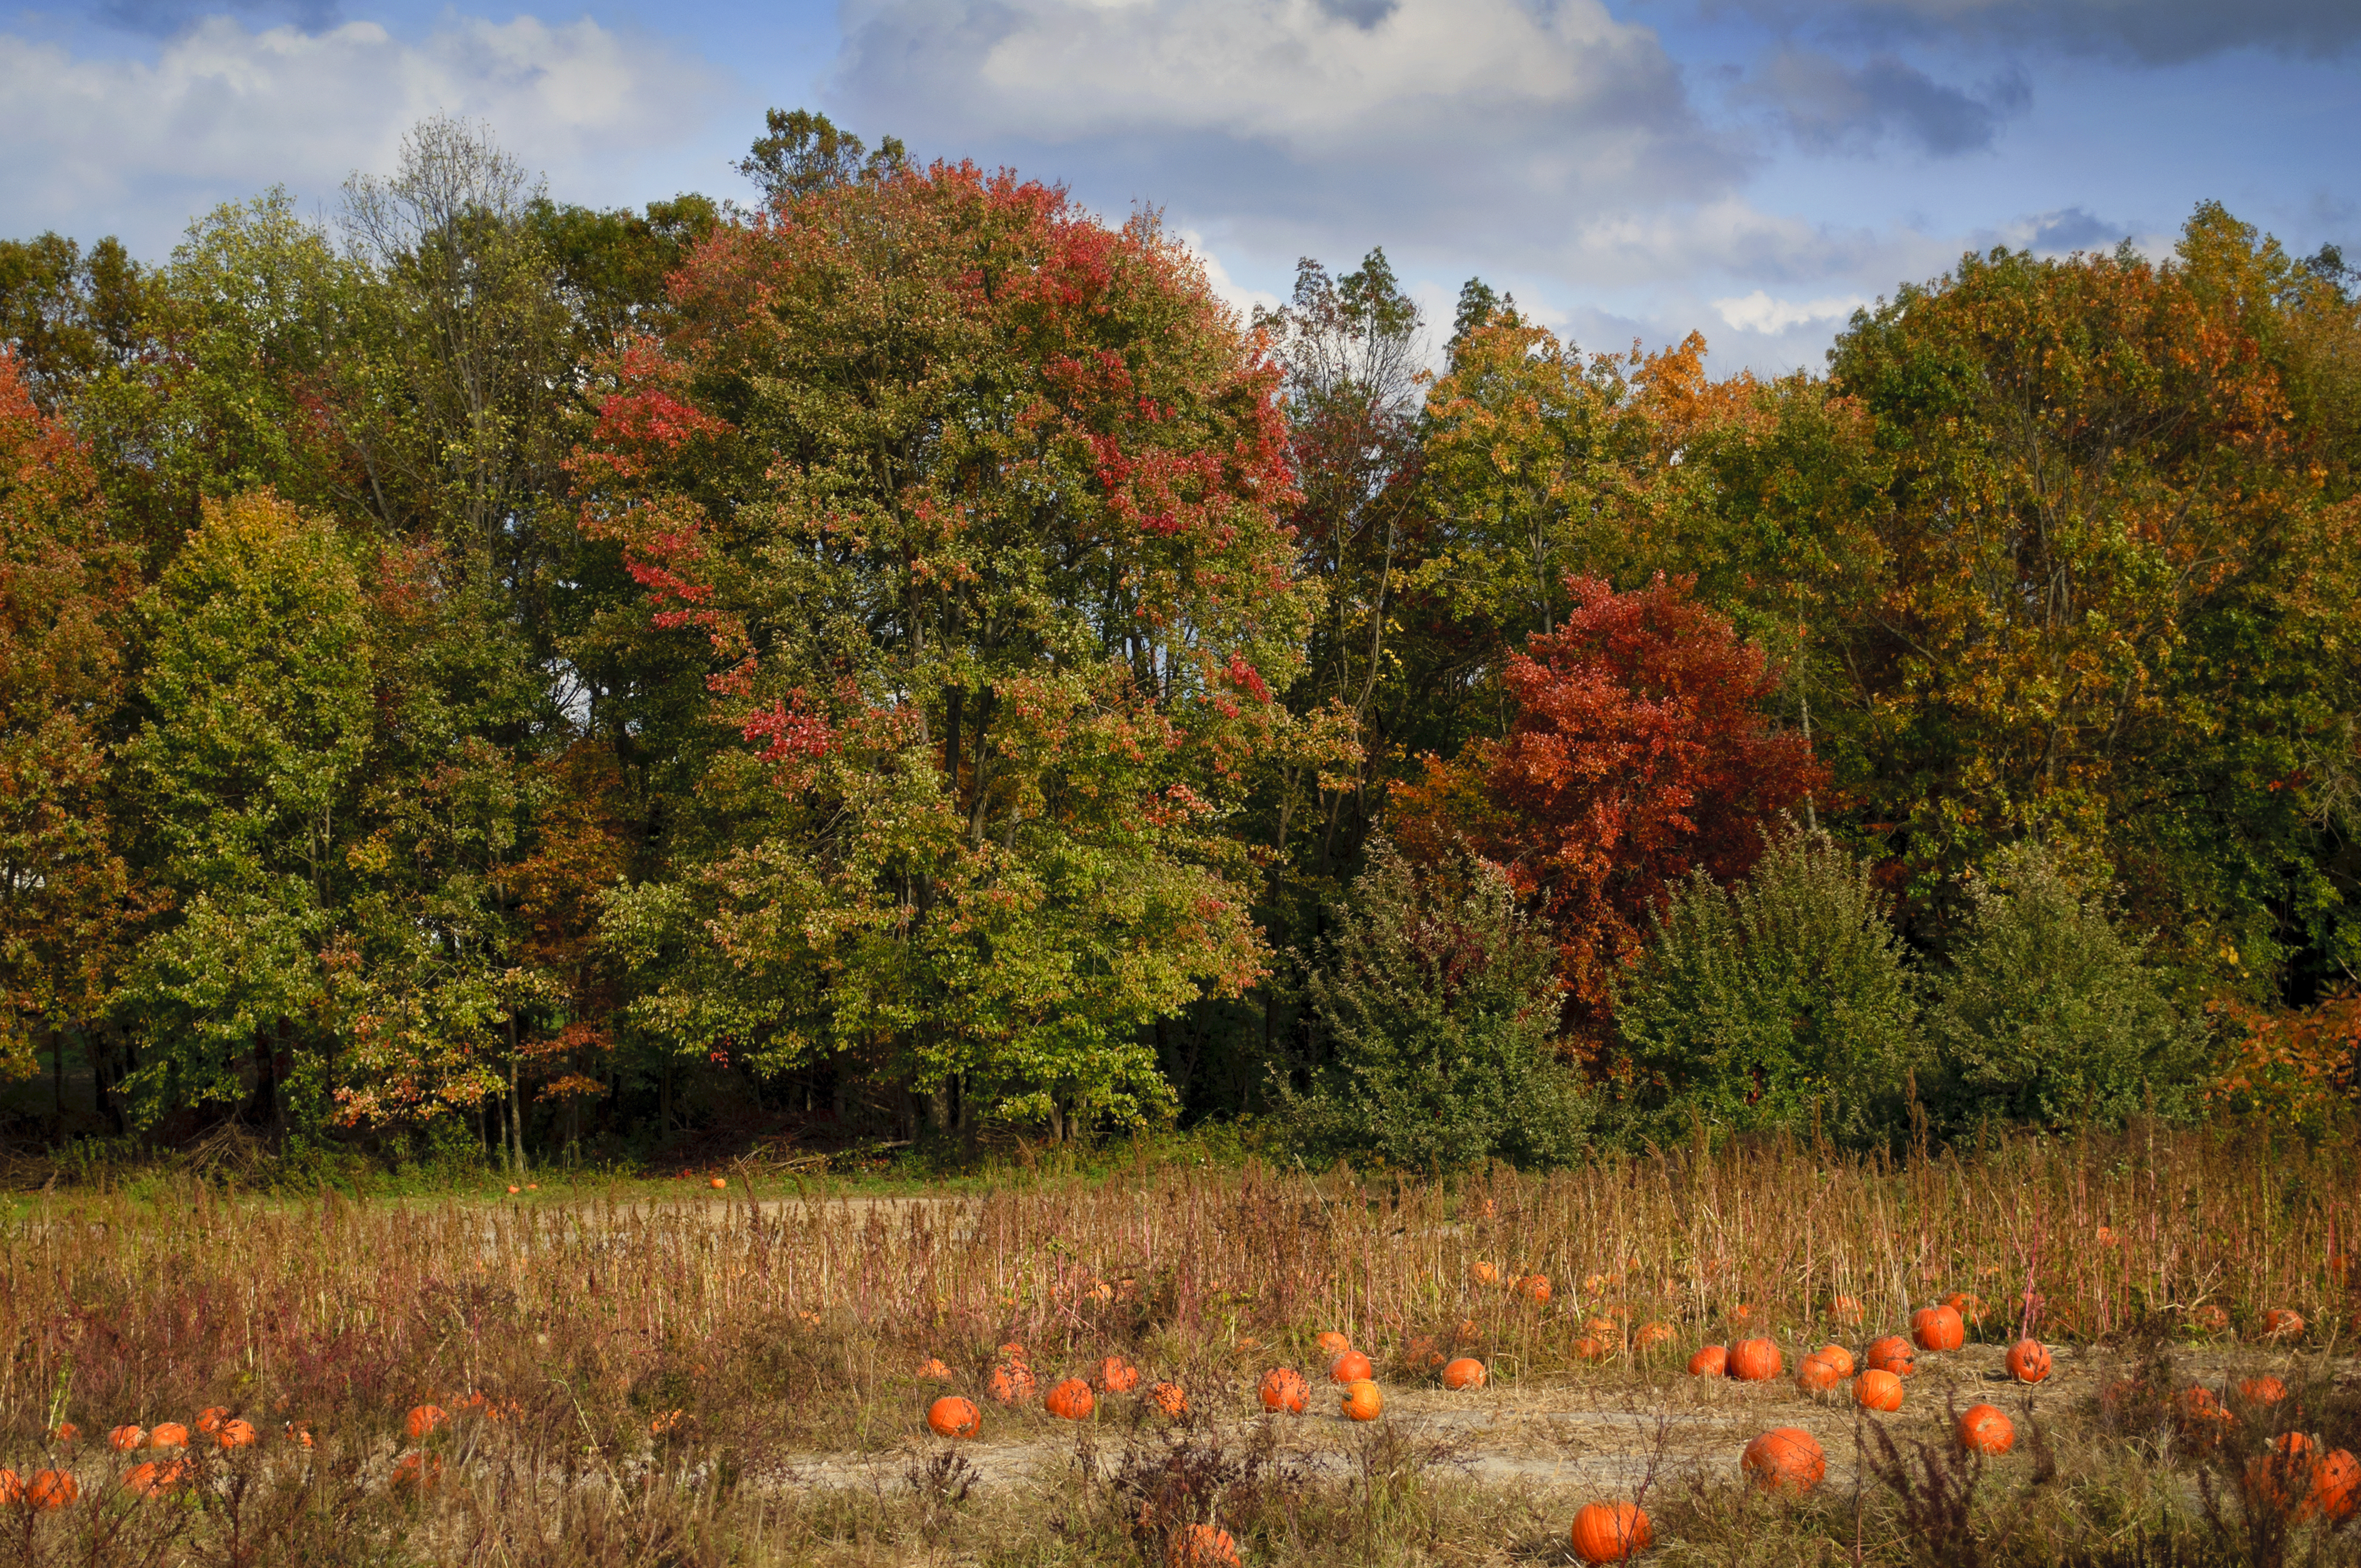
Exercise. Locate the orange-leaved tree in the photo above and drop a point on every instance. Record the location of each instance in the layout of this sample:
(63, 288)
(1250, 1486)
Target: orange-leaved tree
(1637, 751)
(64, 584)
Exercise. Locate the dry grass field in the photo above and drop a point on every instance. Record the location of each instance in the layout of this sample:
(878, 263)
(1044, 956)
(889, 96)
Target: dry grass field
(734, 1377)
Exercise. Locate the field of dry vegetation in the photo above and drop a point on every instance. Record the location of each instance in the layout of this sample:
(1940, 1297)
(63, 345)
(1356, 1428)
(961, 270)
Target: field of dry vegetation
(734, 1377)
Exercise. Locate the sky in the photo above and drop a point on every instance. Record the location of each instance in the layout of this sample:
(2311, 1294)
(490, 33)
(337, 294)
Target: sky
(1753, 170)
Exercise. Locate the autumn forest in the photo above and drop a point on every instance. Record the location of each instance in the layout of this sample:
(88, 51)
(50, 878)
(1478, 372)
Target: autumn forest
(902, 663)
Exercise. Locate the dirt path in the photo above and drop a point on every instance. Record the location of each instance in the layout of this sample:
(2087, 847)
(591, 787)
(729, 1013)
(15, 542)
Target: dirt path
(1603, 1437)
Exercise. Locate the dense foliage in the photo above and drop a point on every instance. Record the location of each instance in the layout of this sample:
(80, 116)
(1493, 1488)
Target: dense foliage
(1434, 1007)
(1783, 1001)
(904, 660)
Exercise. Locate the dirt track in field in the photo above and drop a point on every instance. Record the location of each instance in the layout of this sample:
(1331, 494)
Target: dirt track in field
(1609, 1435)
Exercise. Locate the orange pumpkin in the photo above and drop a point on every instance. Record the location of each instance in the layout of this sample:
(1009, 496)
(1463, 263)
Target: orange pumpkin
(2289, 1461)
(1591, 1349)
(1986, 1429)
(236, 1433)
(1845, 1309)
(1969, 1305)
(1011, 1351)
(1362, 1400)
(1283, 1389)
(1818, 1374)
(1601, 1329)
(1755, 1361)
(1893, 1353)
(2265, 1391)
(1117, 1376)
(1713, 1361)
(125, 1438)
(1012, 1383)
(1351, 1367)
(2200, 1413)
(2337, 1485)
(1464, 1373)
(1071, 1400)
(2282, 1323)
(1535, 1287)
(423, 1421)
(1202, 1546)
(719, 1184)
(2028, 1361)
(1332, 1343)
(417, 1472)
(298, 1433)
(150, 1476)
(1784, 1458)
(1938, 1329)
(954, 1416)
(210, 1419)
(1876, 1390)
(12, 1488)
(1485, 1274)
(2209, 1319)
(65, 1433)
(51, 1490)
(168, 1434)
(934, 1371)
(1170, 1399)
(1649, 1335)
(1610, 1532)
(1837, 1356)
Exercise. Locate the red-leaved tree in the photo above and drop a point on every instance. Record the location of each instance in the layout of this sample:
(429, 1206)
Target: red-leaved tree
(1639, 751)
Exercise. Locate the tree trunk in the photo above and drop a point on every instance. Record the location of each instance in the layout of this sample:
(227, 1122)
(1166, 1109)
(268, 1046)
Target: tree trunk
(263, 1101)
(282, 1045)
(516, 1103)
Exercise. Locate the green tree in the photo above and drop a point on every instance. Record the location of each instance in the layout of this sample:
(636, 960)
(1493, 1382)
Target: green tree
(1781, 1003)
(1351, 348)
(248, 327)
(968, 536)
(463, 382)
(2099, 593)
(2048, 1012)
(1433, 1003)
(801, 152)
(69, 315)
(255, 719)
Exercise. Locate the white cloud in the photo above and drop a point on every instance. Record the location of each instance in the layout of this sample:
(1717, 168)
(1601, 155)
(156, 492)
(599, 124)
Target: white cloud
(1280, 123)
(1239, 298)
(224, 110)
(1291, 70)
(1758, 311)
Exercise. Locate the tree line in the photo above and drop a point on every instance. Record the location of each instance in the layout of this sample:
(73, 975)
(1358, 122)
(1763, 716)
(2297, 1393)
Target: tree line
(901, 659)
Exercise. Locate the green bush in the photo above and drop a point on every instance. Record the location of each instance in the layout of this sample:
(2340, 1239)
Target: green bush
(1435, 1010)
(1784, 1002)
(2049, 1012)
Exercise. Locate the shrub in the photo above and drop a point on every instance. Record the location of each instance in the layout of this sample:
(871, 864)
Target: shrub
(1434, 1014)
(1754, 1007)
(2049, 1012)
